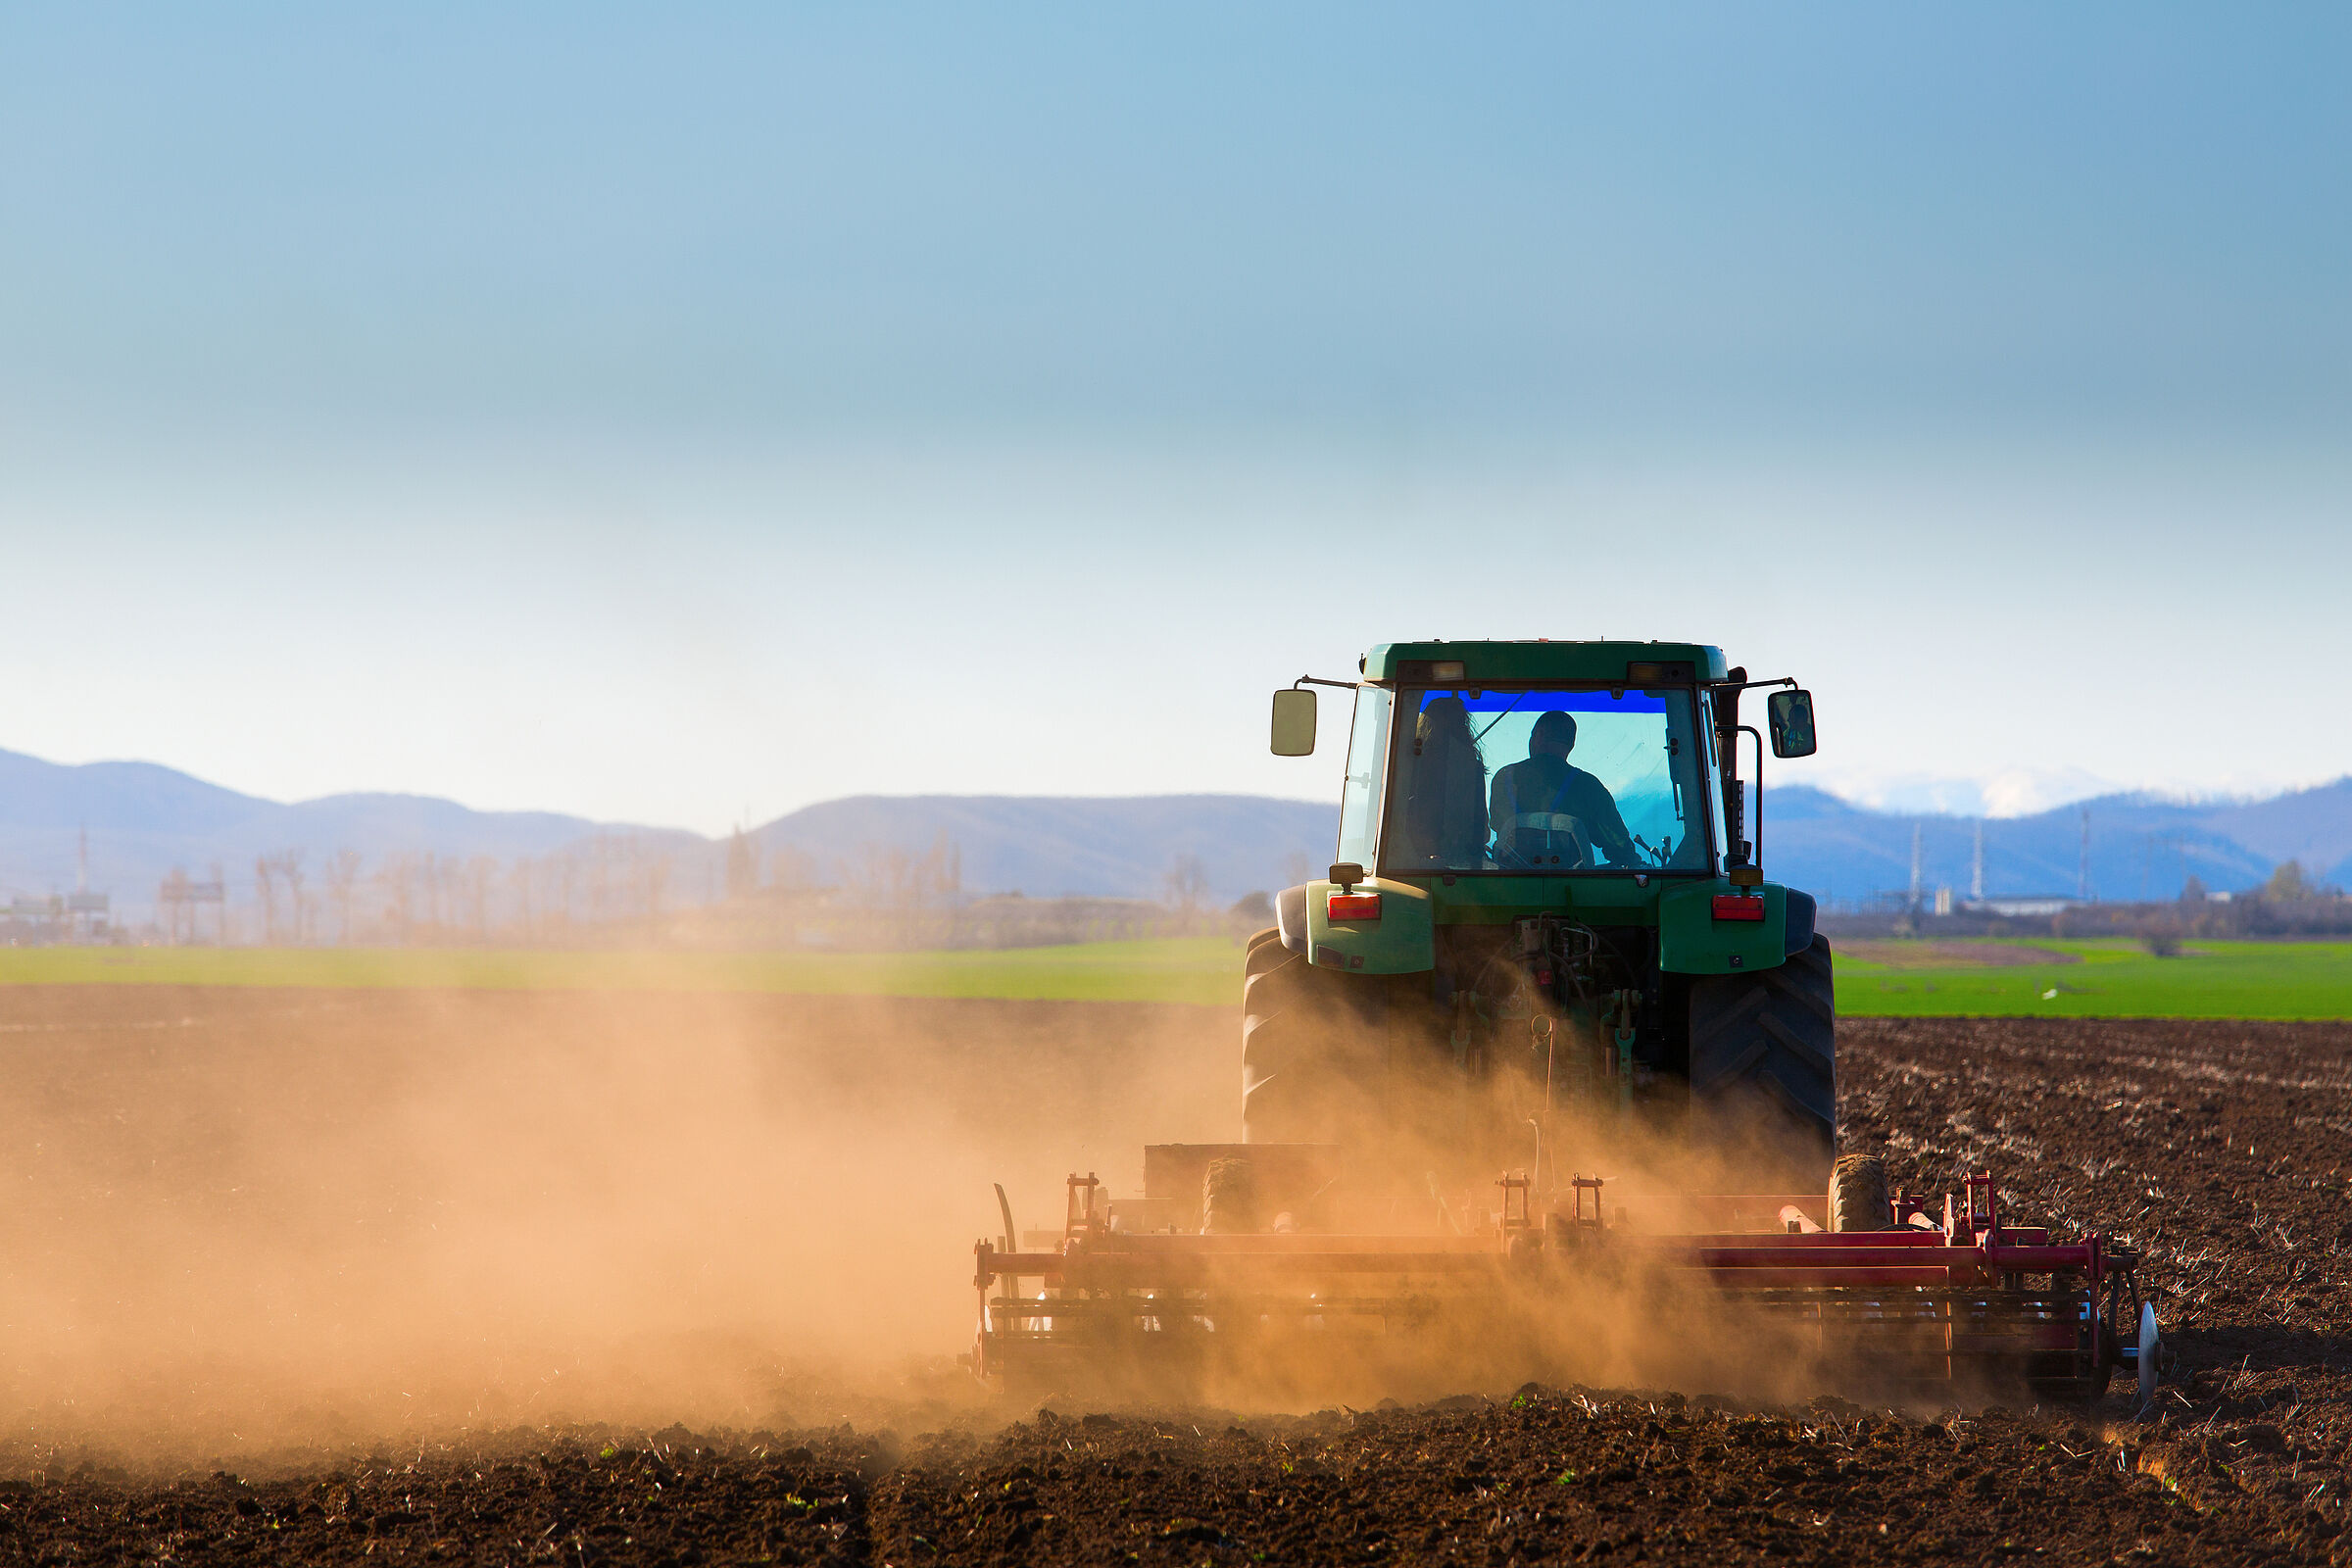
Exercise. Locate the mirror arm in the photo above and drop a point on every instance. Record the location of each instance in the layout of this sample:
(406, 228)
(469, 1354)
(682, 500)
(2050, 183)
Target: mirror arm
(1748, 685)
(1344, 685)
(1756, 859)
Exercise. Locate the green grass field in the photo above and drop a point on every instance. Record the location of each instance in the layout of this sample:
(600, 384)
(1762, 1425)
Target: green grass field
(2108, 979)
(1205, 970)
(2115, 979)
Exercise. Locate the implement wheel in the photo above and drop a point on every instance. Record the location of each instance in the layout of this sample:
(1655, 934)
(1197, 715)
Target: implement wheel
(1859, 1199)
(1764, 1067)
(1315, 1049)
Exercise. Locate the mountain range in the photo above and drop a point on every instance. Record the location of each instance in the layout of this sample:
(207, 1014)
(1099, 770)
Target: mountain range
(2140, 846)
(143, 821)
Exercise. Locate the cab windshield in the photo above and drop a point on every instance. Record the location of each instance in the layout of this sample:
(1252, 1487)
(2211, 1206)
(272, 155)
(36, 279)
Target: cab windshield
(1533, 779)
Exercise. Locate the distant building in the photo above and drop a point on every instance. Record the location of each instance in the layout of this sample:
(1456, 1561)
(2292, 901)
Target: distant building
(90, 916)
(33, 922)
(2025, 906)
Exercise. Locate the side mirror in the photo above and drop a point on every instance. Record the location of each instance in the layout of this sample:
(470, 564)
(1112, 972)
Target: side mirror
(1790, 715)
(1294, 722)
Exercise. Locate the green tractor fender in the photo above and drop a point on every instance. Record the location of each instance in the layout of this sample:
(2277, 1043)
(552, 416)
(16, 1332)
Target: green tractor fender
(1402, 941)
(1712, 927)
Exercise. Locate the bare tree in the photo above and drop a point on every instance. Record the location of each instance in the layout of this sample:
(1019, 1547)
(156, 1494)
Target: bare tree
(651, 875)
(397, 878)
(518, 882)
(449, 892)
(480, 872)
(289, 871)
(792, 870)
(600, 876)
(1297, 869)
(884, 878)
(342, 871)
(264, 883)
(1186, 881)
(2287, 884)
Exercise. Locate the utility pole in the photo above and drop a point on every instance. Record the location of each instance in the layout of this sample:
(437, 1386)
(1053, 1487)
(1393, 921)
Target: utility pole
(2083, 878)
(1975, 874)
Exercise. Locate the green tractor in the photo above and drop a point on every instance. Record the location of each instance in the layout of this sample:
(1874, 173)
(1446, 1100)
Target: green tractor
(1542, 1081)
(1548, 898)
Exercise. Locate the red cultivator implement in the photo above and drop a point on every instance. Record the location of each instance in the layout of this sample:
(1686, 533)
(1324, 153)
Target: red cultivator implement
(1964, 1301)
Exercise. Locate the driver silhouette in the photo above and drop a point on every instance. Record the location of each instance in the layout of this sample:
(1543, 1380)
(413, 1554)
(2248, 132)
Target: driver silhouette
(1546, 812)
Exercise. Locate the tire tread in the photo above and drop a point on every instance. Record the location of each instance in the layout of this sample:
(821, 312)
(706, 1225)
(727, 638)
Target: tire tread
(1770, 1039)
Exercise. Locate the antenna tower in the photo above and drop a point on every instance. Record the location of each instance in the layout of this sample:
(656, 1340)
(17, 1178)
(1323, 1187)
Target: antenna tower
(2083, 878)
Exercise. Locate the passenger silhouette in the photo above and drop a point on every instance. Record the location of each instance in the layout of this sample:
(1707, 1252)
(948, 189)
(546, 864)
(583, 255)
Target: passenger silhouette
(1446, 791)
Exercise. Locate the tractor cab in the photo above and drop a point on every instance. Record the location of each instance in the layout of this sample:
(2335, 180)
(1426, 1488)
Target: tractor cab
(1544, 758)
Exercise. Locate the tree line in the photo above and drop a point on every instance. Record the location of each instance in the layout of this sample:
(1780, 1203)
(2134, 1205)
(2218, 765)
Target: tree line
(634, 888)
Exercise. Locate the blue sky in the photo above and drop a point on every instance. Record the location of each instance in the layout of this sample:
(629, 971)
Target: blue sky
(678, 416)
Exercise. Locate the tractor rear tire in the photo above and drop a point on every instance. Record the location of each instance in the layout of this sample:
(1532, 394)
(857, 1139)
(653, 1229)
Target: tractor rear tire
(1764, 1070)
(1859, 1198)
(1314, 1049)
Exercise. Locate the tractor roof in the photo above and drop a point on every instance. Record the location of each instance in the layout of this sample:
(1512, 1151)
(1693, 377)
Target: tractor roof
(1540, 659)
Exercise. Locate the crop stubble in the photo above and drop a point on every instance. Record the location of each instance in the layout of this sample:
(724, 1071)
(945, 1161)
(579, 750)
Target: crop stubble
(2218, 1148)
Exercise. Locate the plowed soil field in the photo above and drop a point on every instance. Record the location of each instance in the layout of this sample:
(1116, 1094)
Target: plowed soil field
(2216, 1149)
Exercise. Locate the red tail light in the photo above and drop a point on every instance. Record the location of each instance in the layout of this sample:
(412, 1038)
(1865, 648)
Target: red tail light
(1353, 907)
(1737, 906)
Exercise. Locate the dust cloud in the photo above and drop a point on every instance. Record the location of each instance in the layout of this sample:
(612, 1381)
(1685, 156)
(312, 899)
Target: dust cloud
(247, 1220)
(244, 1218)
